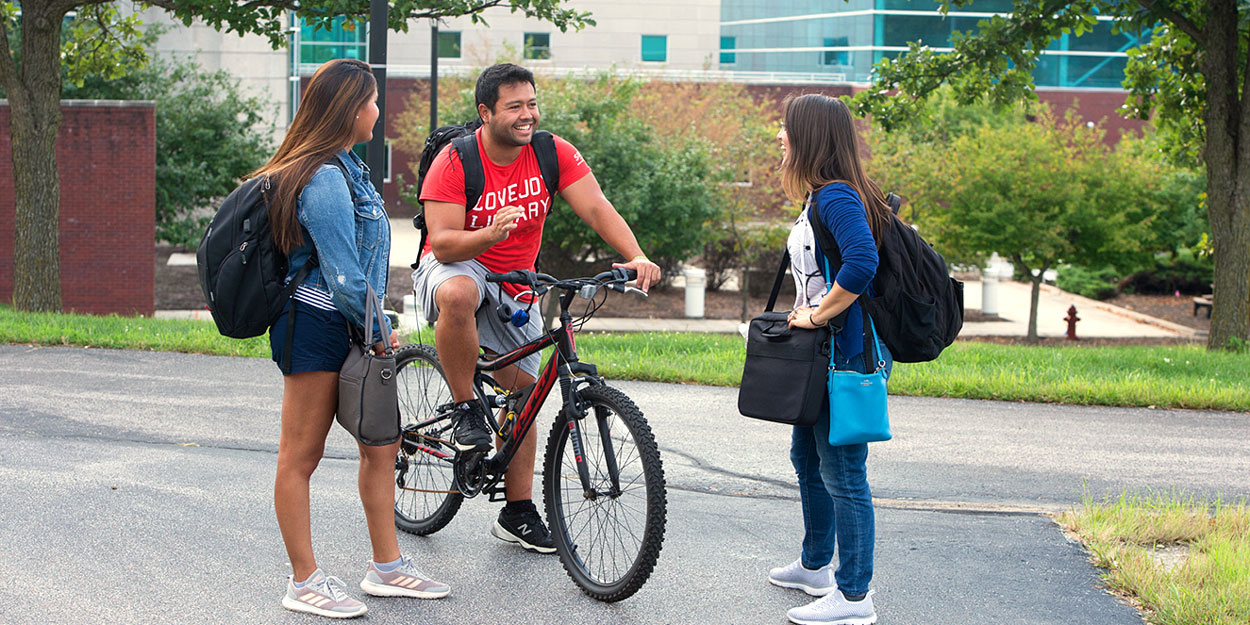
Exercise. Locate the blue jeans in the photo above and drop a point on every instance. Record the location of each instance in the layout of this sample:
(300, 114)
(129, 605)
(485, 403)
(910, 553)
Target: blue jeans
(837, 503)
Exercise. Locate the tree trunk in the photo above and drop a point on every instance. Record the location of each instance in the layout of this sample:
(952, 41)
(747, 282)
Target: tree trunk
(1018, 262)
(35, 120)
(1031, 336)
(1227, 156)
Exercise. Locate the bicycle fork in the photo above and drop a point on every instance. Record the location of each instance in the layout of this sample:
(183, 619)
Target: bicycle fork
(573, 418)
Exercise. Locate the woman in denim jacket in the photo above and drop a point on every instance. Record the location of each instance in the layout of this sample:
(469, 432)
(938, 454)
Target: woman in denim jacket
(821, 163)
(321, 201)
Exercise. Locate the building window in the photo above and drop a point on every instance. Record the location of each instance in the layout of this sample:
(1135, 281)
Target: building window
(835, 57)
(325, 40)
(448, 44)
(537, 45)
(728, 43)
(655, 48)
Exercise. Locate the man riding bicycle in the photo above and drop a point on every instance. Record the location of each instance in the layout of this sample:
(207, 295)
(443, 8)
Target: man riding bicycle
(502, 232)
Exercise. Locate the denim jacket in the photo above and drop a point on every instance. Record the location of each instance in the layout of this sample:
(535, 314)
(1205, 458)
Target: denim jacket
(352, 245)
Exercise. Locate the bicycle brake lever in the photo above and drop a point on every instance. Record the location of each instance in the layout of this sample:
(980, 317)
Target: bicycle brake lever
(630, 289)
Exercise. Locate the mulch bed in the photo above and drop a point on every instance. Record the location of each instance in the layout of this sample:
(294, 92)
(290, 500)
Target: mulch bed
(1177, 309)
(178, 288)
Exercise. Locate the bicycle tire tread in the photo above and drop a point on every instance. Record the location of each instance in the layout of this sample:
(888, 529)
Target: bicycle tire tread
(657, 500)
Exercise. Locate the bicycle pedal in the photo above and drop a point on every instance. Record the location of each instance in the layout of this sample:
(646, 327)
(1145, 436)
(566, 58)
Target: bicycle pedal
(496, 493)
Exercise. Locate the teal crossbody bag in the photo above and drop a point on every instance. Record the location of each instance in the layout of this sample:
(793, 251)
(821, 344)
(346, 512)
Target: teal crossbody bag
(858, 411)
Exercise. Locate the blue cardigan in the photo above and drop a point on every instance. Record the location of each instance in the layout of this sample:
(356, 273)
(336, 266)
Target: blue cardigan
(842, 212)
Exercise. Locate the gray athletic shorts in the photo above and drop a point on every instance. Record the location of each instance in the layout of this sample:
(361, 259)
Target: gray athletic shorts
(493, 333)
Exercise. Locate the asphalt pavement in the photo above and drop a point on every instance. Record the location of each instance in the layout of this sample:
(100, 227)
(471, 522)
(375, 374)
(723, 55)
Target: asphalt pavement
(137, 489)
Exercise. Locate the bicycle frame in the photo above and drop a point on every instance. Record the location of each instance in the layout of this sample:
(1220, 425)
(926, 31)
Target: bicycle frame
(562, 367)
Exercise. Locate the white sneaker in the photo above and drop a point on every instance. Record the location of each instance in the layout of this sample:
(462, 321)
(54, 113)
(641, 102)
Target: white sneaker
(816, 583)
(834, 609)
(323, 595)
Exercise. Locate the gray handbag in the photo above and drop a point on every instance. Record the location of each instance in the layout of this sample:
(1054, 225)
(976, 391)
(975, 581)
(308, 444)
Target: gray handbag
(368, 399)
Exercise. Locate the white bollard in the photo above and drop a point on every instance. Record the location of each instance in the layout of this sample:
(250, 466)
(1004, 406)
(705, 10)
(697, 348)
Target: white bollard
(696, 282)
(989, 291)
(409, 320)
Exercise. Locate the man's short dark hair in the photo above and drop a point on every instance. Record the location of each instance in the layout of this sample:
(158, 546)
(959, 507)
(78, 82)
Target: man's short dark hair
(495, 76)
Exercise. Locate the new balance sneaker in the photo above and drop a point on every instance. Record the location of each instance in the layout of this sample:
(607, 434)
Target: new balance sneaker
(525, 528)
(835, 609)
(817, 583)
(405, 581)
(323, 595)
(471, 432)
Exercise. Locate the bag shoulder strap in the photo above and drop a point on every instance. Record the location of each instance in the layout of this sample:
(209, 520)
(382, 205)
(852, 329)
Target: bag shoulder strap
(338, 163)
(781, 272)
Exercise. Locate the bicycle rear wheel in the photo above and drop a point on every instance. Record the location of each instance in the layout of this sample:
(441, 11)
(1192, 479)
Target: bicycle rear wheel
(608, 540)
(426, 498)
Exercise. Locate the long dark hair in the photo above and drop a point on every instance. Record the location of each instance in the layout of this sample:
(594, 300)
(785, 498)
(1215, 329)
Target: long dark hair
(323, 124)
(825, 149)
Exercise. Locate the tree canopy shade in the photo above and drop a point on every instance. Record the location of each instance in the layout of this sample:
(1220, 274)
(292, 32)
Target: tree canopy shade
(1192, 73)
(34, 40)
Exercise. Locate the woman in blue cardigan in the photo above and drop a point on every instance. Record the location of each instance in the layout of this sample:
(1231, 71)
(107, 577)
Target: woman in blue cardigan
(821, 168)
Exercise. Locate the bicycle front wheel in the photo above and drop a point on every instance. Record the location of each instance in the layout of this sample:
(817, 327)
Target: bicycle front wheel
(608, 534)
(426, 497)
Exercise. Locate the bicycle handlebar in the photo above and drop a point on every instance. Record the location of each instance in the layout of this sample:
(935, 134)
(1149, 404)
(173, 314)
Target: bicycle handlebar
(615, 276)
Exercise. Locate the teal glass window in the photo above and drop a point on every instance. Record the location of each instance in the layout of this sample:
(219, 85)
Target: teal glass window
(537, 45)
(835, 57)
(448, 44)
(339, 38)
(655, 48)
(728, 43)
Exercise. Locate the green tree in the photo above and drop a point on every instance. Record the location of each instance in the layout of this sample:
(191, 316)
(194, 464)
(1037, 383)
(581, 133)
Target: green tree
(1193, 72)
(744, 234)
(1039, 193)
(102, 41)
(208, 136)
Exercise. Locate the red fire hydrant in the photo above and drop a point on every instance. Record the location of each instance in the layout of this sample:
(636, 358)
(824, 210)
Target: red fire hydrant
(1072, 319)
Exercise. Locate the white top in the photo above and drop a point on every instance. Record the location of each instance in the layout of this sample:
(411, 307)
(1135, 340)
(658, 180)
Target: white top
(809, 285)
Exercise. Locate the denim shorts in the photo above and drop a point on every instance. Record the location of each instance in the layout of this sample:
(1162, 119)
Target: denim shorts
(321, 340)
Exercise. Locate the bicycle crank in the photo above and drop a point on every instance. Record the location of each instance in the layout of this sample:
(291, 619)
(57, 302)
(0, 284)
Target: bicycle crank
(470, 472)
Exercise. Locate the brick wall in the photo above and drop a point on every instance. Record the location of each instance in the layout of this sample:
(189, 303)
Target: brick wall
(106, 154)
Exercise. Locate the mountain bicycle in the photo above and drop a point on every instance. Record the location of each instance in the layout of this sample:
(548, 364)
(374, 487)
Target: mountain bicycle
(602, 479)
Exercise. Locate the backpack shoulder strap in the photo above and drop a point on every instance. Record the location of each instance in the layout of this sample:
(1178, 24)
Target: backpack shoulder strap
(465, 147)
(548, 161)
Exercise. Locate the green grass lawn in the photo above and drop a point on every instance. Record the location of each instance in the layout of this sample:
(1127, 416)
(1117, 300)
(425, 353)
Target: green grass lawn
(1184, 561)
(1164, 377)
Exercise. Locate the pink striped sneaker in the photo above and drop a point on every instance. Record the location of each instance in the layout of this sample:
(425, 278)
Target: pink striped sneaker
(322, 595)
(405, 581)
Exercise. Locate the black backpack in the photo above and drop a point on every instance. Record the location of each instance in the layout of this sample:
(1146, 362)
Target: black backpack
(464, 145)
(241, 269)
(919, 308)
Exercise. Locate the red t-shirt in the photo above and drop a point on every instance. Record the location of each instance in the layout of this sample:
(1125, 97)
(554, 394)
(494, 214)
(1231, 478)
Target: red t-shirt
(517, 184)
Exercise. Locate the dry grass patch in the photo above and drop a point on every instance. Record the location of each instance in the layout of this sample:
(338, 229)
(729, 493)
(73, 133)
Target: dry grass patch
(1184, 561)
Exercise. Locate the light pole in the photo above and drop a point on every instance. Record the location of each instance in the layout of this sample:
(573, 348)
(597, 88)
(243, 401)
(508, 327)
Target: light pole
(433, 74)
(375, 155)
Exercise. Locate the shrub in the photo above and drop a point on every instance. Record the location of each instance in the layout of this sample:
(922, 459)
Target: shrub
(1092, 283)
(1183, 273)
